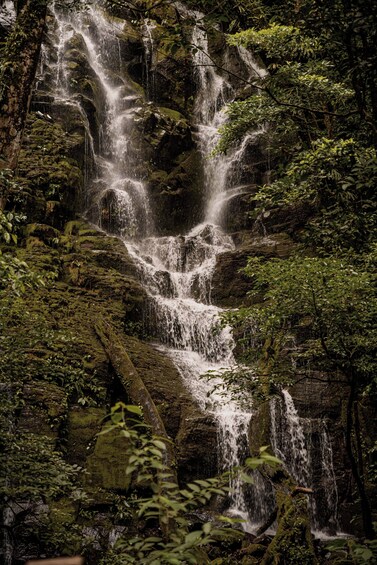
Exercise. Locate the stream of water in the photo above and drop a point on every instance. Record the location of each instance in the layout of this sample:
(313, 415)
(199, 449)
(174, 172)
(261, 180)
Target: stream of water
(175, 270)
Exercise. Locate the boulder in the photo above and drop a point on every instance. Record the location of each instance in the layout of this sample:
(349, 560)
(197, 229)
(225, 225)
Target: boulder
(230, 285)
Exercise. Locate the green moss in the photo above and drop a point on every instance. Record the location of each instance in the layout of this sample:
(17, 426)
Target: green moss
(42, 231)
(106, 466)
(293, 541)
(172, 114)
(48, 172)
(259, 433)
(73, 227)
(82, 426)
(62, 512)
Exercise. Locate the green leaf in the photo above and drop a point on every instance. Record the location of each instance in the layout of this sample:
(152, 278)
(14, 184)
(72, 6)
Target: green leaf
(134, 409)
(246, 478)
(207, 527)
(193, 537)
(160, 444)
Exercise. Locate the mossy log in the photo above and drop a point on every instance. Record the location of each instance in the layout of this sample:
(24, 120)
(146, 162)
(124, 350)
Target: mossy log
(134, 386)
(139, 394)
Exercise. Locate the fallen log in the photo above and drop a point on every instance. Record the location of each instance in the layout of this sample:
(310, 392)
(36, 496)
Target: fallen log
(135, 387)
(139, 395)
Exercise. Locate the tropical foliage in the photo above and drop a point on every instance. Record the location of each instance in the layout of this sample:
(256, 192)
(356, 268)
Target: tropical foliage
(315, 110)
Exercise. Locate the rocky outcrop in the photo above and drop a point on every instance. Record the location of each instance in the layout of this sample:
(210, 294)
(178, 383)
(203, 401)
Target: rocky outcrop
(96, 280)
(50, 179)
(230, 284)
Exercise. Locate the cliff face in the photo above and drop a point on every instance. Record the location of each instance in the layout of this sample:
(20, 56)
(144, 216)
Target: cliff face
(60, 381)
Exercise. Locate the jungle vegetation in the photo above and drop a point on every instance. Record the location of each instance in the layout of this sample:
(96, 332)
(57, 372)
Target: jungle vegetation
(318, 109)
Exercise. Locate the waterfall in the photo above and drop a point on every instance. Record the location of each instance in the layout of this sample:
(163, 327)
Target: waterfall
(222, 173)
(304, 446)
(148, 28)
(176, 271)
(117, 198)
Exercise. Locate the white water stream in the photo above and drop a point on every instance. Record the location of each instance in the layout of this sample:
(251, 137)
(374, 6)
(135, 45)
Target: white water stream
(7, 14)
(175, 270)
(292, 441)
(118, 198)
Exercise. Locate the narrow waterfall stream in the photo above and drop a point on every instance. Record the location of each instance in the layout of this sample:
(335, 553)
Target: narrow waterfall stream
(175, 270)
(290, 442)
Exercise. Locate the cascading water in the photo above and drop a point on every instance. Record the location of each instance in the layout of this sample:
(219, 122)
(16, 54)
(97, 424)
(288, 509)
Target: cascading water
(149, 26)
(222, 173)
(118, 201)
(175, 270)
(297, 442)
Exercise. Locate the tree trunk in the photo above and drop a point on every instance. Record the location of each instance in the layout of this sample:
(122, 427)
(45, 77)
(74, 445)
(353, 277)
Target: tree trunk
(138, 394)
(19, 63)
(350, 428)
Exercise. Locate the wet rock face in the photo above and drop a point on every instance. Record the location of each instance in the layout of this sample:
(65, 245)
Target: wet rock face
(229, 284)
(177, 195)
(196, 439)
(50, 178)
(96, 279)
(193, 432)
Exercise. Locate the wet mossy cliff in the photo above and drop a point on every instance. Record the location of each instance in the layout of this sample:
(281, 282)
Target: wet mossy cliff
(58, 378)
(59, 383)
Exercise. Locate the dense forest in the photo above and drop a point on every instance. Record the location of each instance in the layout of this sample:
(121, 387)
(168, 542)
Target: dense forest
(188, 222)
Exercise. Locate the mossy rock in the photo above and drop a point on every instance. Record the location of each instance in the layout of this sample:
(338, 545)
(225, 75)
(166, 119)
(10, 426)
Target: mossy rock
(106, 466)
(166, 130)
(49, 172)
(172, 115)
(44, 232)
(106, 283)
(40, 257)
(62, 513)
(255, 549)
(44, 410)
(82, 426)
(293, 542)
(260, 428)
(75, 227)
(178, 197)
(162, 380)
